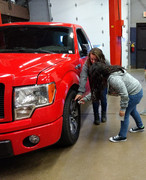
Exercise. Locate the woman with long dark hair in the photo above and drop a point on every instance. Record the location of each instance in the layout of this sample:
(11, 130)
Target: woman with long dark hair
(126, 86)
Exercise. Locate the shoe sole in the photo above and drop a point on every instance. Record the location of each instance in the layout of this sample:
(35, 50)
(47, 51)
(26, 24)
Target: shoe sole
(112, 140)
(140, 130)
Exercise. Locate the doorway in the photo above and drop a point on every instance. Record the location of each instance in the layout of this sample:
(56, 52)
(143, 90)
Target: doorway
(140, 45)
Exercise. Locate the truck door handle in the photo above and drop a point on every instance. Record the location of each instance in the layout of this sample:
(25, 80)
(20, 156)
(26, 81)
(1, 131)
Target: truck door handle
(78, 66)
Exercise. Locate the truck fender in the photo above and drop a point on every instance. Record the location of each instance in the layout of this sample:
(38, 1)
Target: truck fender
(69, 81)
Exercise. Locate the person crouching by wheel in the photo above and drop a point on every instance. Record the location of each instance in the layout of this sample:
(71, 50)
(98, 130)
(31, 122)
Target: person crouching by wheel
(128, 88)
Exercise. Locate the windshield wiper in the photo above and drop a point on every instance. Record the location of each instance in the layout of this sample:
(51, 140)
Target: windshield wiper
(24, 50)
(43, 51)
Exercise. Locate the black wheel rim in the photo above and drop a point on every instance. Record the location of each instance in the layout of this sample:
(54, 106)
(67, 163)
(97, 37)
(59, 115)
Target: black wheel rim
(73, 117)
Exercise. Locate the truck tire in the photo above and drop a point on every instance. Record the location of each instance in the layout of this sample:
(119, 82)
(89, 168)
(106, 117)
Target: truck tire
(71, 121)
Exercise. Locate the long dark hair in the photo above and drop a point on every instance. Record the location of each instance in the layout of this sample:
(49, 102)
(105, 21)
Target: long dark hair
(98, 75)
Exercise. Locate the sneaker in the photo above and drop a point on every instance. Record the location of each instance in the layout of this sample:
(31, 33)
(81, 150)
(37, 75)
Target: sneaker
(117, 138)
(136, 129)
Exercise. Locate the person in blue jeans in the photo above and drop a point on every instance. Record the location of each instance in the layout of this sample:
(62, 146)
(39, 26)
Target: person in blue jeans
(103, 102)
(95, 55)
(128, 88)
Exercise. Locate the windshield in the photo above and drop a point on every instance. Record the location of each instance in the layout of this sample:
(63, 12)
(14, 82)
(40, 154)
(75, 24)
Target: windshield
(36, 39)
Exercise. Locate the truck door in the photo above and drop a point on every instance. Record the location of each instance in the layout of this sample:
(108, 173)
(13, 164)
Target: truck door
(84, 47)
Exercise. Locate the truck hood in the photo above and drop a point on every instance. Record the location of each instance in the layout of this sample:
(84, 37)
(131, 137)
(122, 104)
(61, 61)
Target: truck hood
(24, 68)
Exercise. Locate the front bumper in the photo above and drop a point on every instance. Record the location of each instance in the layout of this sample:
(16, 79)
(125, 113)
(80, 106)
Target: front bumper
(13, 143)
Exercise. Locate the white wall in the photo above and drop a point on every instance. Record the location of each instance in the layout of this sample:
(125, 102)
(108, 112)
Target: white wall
(125, 33)
(92, 15)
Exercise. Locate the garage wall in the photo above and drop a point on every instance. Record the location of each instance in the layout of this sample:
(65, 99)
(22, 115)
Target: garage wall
(137, 9)
(93, 16)
(126, 34)
(39, 10)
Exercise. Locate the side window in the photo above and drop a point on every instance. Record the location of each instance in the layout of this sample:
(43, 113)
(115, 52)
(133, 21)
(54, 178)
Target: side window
(83, 43)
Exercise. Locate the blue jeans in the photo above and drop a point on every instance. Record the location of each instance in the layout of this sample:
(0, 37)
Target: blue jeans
(103, 101)
(131, 110)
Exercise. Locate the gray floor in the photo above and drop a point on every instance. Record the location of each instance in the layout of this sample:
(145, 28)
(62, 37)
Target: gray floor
(93, 157)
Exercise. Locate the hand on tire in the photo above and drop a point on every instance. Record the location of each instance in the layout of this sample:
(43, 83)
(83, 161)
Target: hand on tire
(78, 97)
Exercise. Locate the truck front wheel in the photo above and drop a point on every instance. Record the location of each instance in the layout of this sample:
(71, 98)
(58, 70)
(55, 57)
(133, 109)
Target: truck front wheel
(71, 120)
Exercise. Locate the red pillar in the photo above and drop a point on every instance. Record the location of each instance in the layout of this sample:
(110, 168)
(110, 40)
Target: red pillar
(115, 24)
(0, 18)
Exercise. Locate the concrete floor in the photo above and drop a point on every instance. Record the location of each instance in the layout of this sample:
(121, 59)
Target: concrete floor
(93, 157)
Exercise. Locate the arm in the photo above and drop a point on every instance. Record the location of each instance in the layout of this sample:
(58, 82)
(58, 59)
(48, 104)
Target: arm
(83, 80)
(85, 99)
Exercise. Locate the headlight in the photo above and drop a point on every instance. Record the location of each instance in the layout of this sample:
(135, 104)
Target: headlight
(26, 99)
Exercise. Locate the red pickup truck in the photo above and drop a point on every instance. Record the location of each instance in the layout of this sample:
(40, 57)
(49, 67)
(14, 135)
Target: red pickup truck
(40, 66)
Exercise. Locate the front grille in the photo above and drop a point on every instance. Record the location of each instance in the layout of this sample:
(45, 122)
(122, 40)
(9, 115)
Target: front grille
(2, 89)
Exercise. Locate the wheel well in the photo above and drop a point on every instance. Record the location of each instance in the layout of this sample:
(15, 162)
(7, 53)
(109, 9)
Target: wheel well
(73, 87)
